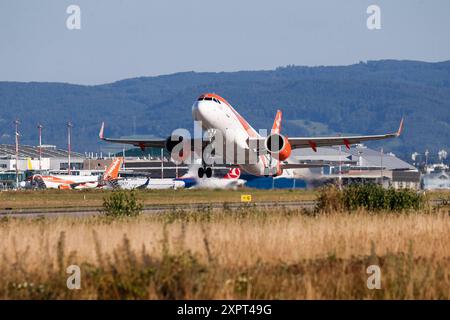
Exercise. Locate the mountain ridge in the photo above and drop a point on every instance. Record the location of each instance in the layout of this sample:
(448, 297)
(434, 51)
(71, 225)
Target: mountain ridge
(364, 98)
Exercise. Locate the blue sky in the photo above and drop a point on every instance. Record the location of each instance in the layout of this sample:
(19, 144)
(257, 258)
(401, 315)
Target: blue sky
(123, 39)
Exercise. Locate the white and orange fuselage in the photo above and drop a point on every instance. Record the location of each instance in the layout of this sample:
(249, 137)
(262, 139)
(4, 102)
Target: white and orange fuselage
(79, 182)
(215, 113)
(257, 153)
(68, 181)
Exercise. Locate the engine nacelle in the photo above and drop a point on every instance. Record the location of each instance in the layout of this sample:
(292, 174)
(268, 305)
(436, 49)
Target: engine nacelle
(278, 146)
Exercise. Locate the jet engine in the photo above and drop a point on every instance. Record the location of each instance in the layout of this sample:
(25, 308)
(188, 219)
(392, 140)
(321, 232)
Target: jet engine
(278, 146)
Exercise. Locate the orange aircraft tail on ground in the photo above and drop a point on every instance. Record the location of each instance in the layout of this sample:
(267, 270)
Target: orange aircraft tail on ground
(112, 172)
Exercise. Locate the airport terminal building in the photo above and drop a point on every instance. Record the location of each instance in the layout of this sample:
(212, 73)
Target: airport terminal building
(51, 159)
(358, 164)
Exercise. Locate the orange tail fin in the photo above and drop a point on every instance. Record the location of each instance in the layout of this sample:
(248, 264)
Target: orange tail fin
(112, 172)
(276, 128)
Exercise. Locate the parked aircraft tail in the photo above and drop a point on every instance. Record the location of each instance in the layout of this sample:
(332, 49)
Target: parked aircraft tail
(234, 173)
(112, 172)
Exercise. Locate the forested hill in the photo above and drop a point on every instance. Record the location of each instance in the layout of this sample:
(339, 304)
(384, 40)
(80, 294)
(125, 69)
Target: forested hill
(365, 98)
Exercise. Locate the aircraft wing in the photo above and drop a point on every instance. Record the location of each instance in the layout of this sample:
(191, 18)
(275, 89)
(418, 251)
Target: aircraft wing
(147, 143)
(315, 142)
(142, 143)
(78, 184)
(313, 164)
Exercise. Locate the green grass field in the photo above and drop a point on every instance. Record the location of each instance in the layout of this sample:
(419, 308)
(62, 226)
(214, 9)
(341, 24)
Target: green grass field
(77, 199)
(94, 198)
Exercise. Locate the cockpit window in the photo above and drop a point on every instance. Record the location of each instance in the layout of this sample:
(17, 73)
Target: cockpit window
(209, 99)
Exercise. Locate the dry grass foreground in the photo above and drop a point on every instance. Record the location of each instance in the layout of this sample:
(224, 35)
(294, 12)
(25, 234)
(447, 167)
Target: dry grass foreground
(247, 253)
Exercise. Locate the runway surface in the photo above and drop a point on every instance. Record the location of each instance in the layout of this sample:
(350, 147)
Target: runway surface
(161, 208)
(158, 208)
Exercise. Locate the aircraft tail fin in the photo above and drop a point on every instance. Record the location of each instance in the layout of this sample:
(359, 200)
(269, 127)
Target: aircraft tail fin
(234, 173)
(276, 128)
(112, 172)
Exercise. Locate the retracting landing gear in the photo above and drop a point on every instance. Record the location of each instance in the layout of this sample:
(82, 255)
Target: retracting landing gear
(205, 171)
(270, 172)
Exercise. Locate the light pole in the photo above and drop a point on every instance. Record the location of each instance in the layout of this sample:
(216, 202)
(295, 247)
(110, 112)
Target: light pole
(69, 129)
(17, 122)
(340, 167)
(381, 167)
(360, 160)
(40, 145)
(162, 163)
(123, 156)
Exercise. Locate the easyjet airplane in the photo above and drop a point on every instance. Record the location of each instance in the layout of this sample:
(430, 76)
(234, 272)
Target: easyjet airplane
(262, 155)
(78, 182)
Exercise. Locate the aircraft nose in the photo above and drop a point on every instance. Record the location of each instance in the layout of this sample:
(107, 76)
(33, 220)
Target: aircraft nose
(198, 110)
(195, 110)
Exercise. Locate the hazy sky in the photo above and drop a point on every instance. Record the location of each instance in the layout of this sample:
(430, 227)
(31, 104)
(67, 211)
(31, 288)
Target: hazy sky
(123, 39)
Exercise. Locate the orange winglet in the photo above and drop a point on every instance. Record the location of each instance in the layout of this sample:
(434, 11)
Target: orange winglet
(102, 129)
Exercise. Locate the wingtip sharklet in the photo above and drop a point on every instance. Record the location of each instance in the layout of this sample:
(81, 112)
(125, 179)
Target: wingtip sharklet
(102, 129)
(400, 128)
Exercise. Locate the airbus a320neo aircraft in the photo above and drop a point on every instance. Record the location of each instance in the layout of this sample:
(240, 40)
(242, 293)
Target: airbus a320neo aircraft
(263, 155)
(79, 182)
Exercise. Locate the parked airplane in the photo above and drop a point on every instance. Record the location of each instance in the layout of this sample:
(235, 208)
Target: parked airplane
(262, 155)
(144, 183)
(78, 182)
(230, 181)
